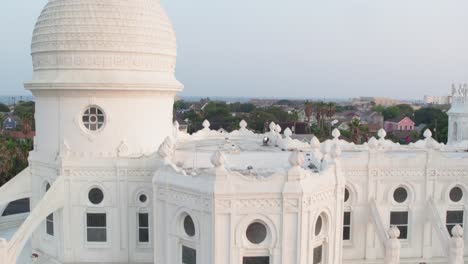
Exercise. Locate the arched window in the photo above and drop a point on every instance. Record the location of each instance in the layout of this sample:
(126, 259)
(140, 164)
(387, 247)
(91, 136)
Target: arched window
(399, 216)
(49, 218)
(455, 213)
(96, 222)
(347, 216)
(143, 219)
(189, 232)
(257, 234)
(320, 235)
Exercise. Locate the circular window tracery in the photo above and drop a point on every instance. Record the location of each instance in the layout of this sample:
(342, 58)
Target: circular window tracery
(93, 118)
(400, 195)
(189, 226)
(256, 233)
(456, 194)
(318, 225)
(95, 196)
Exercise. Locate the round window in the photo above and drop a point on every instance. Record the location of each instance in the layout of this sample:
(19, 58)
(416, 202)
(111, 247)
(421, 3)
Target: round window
(93, 118)
(456, 194)
(143, 198)
(346, 195)
(256, 233)
(318, 226)
(96, 196)
(400, 195)
(189, 226)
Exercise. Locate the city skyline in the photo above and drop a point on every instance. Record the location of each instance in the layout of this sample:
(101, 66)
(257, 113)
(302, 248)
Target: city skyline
(269, 49)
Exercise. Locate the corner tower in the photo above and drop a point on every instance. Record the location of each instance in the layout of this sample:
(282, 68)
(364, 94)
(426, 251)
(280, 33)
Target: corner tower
(104, 87)
(458, 115)
(103, 75)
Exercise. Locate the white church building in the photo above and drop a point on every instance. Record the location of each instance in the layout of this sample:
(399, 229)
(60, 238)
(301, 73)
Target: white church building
(111, 178)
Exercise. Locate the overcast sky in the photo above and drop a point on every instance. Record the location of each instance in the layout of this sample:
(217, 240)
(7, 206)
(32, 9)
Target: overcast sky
(296, 48)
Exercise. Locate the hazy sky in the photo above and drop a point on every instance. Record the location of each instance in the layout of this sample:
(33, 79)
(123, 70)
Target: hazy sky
(296, 48)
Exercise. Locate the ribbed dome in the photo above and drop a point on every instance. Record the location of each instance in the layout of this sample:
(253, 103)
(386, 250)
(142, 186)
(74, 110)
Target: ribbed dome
(75, 38)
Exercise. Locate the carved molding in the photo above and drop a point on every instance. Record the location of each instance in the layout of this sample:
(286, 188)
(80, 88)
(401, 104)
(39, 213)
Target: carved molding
(114, 61)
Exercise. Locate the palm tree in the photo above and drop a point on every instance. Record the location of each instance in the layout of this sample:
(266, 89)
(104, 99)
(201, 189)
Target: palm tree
(355, 126)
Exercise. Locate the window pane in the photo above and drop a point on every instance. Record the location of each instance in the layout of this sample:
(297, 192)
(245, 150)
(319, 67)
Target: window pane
(143, 235)
(50, 228)
(189, 226)
(95, 196)
(256, 233)
(256, 260)
(17, 207)
(93, 110)
(398, 218)
(97, 235)
(456, 194)
(96, 220)
(189, 255)
(318, 255)
(347, 218)
(455, 217)
(85, 119)
(400, 195)
(346, 233)
(143, 220)
(403, 232)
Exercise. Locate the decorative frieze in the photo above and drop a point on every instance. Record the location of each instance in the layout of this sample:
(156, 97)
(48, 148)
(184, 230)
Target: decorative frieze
(114, 61)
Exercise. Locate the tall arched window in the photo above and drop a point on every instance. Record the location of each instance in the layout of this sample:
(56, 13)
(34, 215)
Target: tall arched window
(320, 233)
(347, 215)
(399, 216)
(143, 220)
(96, 220)
(455, 212)
(257, 235)
(188, 235)
(49, 218)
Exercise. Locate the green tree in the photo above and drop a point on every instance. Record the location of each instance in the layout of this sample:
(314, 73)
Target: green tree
(435, 119)
(4, 108)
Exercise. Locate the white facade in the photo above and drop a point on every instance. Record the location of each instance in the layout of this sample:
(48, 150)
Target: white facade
(112, 180)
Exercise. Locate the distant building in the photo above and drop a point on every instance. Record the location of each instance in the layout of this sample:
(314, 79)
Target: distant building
(383, 101)
(9, 123)
(437, 100)
(400, 124)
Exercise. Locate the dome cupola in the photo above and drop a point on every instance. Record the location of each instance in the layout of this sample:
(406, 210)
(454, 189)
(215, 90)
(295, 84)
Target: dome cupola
(104, 44)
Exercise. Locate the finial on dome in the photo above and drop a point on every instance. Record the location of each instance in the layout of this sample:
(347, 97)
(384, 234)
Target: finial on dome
(427, 133)
(382, 133)
(314, 142)
(206, 124)
(278, 128)
(243, 124)
(336, 133)
(272, 126)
